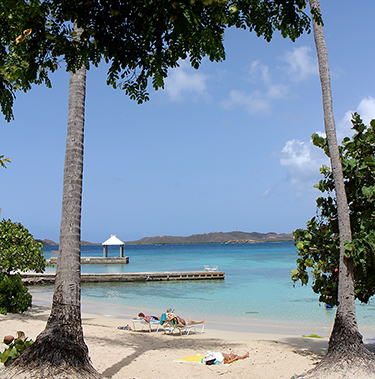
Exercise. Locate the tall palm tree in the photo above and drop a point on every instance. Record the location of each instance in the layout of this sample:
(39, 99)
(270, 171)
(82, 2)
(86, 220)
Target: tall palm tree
(61, 344)
(346, 349)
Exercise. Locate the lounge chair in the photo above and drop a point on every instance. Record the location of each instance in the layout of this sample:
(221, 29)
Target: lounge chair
(208, 268)
(171, 325)
(143, 323)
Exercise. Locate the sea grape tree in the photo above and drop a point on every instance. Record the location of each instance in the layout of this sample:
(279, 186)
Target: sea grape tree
(19, 252)
(318, 245)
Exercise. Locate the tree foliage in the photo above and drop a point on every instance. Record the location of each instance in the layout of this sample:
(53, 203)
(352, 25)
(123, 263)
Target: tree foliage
(27, 54)
(3, 161)
(14, 296)
(18, 249)
(318, 244)
(139, 40)
(18, 252)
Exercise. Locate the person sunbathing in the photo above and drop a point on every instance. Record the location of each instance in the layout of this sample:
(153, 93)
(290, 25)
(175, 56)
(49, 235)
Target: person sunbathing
(213, 358)
(190, 321)
(170, 316)
(142, 316)
(231, 357)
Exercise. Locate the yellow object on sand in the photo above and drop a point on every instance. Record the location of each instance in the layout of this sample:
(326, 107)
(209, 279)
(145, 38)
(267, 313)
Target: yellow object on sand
(312, 336)
(191, 358)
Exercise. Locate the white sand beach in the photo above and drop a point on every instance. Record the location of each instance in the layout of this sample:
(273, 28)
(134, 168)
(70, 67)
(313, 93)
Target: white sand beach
(117, 353)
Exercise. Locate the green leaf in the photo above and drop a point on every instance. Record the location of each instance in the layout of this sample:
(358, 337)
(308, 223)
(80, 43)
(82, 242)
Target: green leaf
(5, 355)
(309, 262)
(14, 353)
(294, 272)
(370, 161)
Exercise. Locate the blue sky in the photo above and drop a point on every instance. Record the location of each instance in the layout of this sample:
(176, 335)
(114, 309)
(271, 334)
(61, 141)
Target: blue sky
(226, 147)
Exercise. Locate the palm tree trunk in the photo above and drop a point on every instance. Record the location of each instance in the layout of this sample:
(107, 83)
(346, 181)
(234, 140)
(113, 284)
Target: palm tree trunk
(60, 351)
(345, 349)
(346, 297)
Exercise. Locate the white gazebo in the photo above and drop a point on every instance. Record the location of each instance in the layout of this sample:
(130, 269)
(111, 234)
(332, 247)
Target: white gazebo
(113, 240)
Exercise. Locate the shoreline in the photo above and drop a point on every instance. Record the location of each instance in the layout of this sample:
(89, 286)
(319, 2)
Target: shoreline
(220, 323)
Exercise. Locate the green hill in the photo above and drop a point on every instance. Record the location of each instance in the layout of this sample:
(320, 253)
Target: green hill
(217, 237)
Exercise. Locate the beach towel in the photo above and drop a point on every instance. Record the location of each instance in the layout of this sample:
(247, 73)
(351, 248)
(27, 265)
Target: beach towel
(197, 358)
(162, 319)
(167, 317)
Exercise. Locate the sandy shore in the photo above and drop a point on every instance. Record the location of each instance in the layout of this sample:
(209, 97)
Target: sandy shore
(117, 353)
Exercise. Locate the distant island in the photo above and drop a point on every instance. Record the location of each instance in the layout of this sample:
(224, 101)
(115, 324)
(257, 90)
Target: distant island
(50, 242)
(215, 237)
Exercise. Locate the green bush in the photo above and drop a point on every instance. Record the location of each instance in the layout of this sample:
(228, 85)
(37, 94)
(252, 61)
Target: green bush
(14, 296)
(19, 252)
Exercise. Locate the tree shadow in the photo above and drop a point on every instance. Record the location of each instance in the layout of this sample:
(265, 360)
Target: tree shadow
(143, 342)
(316, 346)
(35, 312)
(371, 345)
(307, 346)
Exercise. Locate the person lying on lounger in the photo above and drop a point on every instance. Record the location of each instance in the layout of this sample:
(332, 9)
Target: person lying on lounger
(170, 316)
(142, 316)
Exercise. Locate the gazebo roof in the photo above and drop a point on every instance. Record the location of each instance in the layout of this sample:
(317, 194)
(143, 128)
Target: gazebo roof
(113, 240)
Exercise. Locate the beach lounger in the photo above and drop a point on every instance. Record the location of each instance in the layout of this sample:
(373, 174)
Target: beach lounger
(208, 268)
(143, 323)
(196, 328)
(171, 325)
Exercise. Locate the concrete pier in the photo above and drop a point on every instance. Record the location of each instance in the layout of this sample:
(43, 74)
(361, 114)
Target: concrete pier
(33, 278)
(97, 260)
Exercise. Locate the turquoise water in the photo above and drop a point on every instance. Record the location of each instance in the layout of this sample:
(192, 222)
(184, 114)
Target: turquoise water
(257, 290)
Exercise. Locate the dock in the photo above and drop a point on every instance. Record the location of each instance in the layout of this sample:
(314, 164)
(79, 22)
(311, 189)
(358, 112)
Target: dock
(34, 278)
(97, 260)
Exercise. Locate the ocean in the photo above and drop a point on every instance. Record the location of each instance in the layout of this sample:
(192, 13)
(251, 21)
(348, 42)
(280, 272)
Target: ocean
(257, 294)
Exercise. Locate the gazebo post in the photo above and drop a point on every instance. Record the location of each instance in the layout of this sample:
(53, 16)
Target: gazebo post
(122, 251)
(105, 251)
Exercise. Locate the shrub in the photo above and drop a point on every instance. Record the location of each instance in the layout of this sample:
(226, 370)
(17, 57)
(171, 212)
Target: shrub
(14, 296)
(19, 252)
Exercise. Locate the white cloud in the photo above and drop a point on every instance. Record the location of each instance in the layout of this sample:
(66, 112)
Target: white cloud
(277, 91)
(301, 64)
(302, 161)
(366, 109)
(185, 80)
(252, 103)
(266, 192)
(257, 101)
(260, 70)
